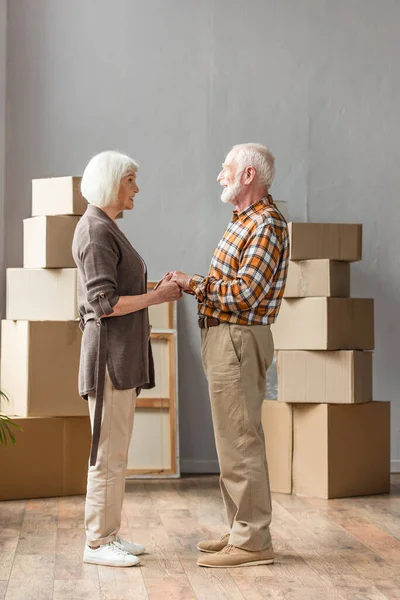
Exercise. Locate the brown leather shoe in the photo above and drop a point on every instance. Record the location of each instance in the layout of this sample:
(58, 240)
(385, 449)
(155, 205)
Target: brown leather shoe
(214, 545)
(231, 556)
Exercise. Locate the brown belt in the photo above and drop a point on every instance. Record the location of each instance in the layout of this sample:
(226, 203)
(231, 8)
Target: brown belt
(101, 364)
(206, 322)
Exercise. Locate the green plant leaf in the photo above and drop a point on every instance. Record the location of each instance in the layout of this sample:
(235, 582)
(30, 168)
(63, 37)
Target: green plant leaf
(6, 433)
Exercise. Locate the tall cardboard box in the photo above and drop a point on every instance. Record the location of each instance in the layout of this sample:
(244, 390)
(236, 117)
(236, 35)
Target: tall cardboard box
(50, 458)
(321, 277)
(57, 196)
(277, 422)
(48, 242)
(336, 241)
(325, 324)
(341, 451)
(332, 377)
(42, 294)
(39, 368)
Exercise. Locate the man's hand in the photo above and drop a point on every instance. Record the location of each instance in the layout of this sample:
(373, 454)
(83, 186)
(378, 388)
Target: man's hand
(181, 279)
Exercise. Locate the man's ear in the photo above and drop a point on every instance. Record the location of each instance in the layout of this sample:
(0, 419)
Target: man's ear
(249, 175)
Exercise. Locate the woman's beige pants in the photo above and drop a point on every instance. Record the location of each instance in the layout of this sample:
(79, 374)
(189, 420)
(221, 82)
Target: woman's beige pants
(106, 479)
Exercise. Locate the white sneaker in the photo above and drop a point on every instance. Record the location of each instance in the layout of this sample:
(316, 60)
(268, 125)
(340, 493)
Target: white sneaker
(130, 547)
(111, 555)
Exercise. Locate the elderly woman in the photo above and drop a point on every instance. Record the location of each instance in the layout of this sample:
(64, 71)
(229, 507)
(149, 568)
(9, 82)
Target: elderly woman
(116, 359)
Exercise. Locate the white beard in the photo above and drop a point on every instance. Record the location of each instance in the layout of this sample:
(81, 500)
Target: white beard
(231, 192)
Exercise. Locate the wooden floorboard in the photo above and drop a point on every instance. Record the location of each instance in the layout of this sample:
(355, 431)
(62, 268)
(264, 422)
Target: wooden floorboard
(345, 549)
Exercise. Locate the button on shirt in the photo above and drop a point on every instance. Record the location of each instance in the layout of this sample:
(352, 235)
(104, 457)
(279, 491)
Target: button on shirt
(247, 276)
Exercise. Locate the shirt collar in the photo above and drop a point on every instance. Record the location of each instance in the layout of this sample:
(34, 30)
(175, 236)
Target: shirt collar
(256, 208)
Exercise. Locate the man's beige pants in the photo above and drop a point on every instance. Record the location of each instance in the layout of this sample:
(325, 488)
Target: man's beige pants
(235, 360)
(106, 479)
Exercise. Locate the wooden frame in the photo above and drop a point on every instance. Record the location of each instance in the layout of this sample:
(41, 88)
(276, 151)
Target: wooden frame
(169, 404)
(171, 318)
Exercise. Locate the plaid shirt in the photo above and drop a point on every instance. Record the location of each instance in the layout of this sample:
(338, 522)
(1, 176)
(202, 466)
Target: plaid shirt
(247, 276)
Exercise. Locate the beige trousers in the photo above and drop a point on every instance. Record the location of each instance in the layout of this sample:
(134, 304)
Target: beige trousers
(106, 479)
(235, 360)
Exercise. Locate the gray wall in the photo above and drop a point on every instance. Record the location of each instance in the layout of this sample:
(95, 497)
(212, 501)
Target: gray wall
(175, 84)
(3, 54)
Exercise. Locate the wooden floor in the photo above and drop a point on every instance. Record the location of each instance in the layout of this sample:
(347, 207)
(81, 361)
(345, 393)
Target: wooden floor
(341, 549)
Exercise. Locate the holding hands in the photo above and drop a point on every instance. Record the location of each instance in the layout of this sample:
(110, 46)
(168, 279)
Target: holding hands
(170, 287)
(181, 279)
(167, 290)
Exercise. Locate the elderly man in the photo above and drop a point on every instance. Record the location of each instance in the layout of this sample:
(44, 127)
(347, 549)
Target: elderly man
(238, 301)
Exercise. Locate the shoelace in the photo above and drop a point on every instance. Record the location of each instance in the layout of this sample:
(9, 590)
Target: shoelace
(119, 540)
(117, 548)
(228, 548)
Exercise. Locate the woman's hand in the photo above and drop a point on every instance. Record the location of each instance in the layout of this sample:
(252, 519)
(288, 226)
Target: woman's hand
(168, 291)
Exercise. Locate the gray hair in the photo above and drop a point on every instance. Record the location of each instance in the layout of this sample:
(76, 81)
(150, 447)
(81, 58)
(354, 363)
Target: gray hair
(259, 157)
(102, 177)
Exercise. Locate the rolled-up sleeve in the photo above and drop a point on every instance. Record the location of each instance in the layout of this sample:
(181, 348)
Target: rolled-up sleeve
(100, 262)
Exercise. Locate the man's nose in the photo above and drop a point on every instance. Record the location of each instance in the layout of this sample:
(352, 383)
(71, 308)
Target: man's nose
(219, 177)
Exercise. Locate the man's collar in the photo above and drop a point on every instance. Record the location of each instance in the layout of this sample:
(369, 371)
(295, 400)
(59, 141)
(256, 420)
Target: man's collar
(255, 208)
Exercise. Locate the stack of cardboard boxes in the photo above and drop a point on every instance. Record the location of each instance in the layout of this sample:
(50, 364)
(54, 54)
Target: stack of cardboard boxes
(325, 436)
(40, 348)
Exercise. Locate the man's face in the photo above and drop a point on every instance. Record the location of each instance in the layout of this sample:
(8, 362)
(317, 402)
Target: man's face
(230, 179)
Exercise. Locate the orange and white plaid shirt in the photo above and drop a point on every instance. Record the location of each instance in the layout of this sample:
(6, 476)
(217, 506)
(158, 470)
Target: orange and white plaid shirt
(247, 276)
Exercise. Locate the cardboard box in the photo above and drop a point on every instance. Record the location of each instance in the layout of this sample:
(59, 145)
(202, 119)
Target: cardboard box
(325, 324)
(337, 241)
(317, 278)
(57, 196)
(39, 368)
(341, 451)
(42, 294)
(48, 242)
(333, 377)
(50, 458)
(277, 422)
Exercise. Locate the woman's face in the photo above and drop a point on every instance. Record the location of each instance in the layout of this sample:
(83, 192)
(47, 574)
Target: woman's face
(127, 191)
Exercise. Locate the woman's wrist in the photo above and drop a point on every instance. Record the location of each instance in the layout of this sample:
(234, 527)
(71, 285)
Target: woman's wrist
(154, 296)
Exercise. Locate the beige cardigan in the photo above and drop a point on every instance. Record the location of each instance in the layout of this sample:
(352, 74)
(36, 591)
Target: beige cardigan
(109, 267)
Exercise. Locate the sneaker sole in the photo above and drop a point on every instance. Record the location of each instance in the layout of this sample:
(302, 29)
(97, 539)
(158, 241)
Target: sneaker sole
(253, 563)
(109, 564)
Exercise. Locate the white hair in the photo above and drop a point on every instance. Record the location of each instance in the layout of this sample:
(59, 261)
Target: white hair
(102, 177)
(259, 157)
